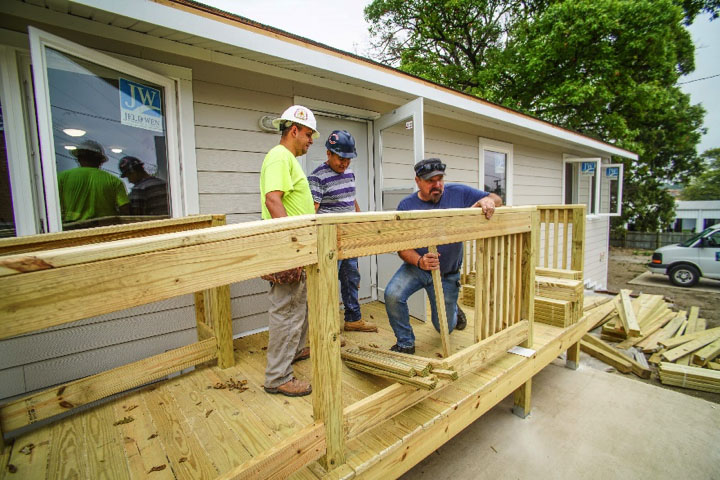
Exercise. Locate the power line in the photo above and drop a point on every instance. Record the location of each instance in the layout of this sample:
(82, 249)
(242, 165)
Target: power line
(698, 79)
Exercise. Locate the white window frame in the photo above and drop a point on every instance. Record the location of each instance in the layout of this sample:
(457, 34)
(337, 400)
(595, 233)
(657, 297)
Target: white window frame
(488, 144)
(599, 165)
(621, 177)
(179, 121)
(16, 144)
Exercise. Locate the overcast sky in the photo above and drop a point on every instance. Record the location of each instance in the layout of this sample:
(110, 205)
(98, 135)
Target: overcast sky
(342, 25)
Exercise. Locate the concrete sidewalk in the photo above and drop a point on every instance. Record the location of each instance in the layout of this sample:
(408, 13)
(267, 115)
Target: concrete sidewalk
(586, 424)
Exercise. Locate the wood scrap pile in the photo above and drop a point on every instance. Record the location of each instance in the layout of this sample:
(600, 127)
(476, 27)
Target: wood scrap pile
(678, 342)
(558, 296)
(408, 369)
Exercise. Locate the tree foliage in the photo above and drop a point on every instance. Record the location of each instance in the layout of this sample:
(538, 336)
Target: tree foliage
(604, 68)
(706, 186)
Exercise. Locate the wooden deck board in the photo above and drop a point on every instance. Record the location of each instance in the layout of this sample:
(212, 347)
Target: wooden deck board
(186, 428)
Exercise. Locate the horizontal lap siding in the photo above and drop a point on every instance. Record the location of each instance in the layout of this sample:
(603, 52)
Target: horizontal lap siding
(537, 176)
(597, 240)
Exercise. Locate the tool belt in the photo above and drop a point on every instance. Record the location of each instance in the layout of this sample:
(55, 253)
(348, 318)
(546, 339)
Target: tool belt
(293, 275)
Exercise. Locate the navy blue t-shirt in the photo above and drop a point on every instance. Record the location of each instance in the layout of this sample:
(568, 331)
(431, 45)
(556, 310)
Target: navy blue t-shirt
(455, 195)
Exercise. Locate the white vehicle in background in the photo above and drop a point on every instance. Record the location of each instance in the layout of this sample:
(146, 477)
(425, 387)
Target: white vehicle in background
(686, 262)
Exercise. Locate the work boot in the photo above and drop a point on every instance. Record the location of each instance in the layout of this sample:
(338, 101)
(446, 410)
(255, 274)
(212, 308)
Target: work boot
(303, 355)
(461, 319)
(292, 388)
(360, 326)
(397, 348)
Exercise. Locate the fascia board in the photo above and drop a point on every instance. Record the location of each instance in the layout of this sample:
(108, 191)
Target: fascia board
(314, 56)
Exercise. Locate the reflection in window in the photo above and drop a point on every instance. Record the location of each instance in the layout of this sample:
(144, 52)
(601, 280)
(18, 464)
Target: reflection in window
(495, 173)
(101, 116)
(7, 217)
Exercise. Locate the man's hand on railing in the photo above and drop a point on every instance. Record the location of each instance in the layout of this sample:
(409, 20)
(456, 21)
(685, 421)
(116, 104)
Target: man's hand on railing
(488, 204)
(429, 261)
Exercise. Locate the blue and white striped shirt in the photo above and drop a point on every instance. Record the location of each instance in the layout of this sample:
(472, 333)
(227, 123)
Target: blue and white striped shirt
(335, 192)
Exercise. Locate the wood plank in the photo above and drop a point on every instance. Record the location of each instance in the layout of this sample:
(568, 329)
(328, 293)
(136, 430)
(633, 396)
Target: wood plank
(369, 238)
(73, 238)
(476, 355)
(67, 459)
(56, 400)
(104, 445)
(479, 319)
(29, 454)
(324, 324)
(707, 353)
(284, 458)
(679, 340)
(566, 228)
(556, 238)
(620, 364)
(30, 301)
(440, 307)
(577, 253)
(218, 313)
(612, 353)
(630, 319)
(185, 453)
(689, 347)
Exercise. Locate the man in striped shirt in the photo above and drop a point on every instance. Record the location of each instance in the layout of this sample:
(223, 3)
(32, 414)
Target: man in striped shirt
(333, 189)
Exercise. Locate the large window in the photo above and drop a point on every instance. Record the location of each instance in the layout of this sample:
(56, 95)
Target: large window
(495, 173)
(115, 140)
(595, 184)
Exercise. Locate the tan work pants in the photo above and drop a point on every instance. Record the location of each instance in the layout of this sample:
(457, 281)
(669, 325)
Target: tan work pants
(288, 330)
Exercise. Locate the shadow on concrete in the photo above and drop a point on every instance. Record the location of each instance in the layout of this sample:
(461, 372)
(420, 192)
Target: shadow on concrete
(662, 281)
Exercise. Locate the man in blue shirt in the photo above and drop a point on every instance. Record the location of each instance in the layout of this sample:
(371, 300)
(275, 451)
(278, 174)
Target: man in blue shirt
(415, 273)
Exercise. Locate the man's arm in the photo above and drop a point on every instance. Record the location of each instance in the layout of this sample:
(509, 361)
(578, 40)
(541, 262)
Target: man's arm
(429, 261)
(357, 207)
(273, 202)
(317, 205)
(488, 204)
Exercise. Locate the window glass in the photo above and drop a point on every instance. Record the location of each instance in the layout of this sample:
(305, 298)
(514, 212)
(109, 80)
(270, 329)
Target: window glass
(110, 143)
(7, 217)
(495, 173)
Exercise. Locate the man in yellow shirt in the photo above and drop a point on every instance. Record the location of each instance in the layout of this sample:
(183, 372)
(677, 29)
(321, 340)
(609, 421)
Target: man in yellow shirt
(284, 191)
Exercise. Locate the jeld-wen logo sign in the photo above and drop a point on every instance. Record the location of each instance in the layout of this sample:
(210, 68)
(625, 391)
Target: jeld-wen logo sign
(140, 106)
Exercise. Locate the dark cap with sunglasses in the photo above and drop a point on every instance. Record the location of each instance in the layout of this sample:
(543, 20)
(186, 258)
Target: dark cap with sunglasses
(428, 168)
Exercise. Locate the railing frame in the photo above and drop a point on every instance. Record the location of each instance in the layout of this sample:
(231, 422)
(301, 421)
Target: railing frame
(208, 260)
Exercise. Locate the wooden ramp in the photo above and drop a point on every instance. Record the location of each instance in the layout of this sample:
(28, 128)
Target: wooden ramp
(207, 422)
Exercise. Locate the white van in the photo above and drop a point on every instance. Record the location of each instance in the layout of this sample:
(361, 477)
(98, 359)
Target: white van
(686, 262)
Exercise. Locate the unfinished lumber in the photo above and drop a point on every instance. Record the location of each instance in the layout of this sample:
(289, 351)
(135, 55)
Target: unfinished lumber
(690, 377)
(712, 333)
(648, 330)
(688, 347)
(641, 370)
(552, 311)
(601, 314)
(707, 353)
(406, 357)
(693, 324)
(620, 364)
(427, 383)
(60, 399)
(449, 374)
(376, 361)
(559, 288)
(630, 321)
(559, 273)
(594, 301)
(650, 344)
(484, 351)
(440, 307)
(324, 336)
(713, 365)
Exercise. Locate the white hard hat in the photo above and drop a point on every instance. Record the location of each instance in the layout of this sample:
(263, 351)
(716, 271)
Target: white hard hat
(300, 115)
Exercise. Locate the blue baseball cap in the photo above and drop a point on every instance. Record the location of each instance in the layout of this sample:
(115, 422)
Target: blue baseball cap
(341, 143)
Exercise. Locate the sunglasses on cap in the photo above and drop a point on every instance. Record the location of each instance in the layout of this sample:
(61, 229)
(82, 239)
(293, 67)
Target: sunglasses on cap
(426, 168)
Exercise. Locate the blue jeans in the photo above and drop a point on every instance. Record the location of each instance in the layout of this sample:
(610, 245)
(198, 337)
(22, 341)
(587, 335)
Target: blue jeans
(349, 276)
(408, 280)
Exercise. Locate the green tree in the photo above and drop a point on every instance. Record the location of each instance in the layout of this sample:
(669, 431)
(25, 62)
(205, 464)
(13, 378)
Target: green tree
(604, 68)
(705, 186)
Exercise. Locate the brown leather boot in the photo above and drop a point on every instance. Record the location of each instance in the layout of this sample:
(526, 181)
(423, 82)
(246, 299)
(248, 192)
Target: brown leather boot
(293, 388)
(360, 326)
(303, 355)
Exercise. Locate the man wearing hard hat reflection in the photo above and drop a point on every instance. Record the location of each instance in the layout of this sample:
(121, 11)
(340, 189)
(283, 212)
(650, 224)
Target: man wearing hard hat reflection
(284, 191)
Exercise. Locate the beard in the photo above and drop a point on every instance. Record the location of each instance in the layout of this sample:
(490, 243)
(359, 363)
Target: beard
(435, 195)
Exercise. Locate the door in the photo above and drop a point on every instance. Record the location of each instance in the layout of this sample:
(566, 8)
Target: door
(399, 144)
(316, 156)
(709, 255)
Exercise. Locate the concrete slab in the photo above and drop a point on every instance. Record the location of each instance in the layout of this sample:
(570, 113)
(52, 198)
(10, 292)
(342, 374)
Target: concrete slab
(586, 424)
(649, 279)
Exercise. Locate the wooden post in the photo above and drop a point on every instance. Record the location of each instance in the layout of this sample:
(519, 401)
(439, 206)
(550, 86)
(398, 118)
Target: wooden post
(213, 309)
(324, 319)
(440, 306)
(573, 357)
(218, 312)
(577, 262)
(480, 319)
(531, 243)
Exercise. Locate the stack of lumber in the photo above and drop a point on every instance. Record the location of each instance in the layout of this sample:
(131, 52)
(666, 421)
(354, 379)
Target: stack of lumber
(677, 341)
(408, 369)
(558, 296)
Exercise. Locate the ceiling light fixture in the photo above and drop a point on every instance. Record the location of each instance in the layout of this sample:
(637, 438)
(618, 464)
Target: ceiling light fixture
(74, 132)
